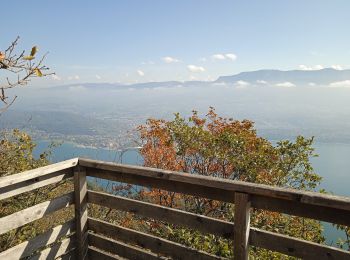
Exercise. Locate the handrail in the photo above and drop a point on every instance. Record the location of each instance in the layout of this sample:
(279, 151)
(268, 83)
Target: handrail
(325, 207)
(331, 208)
(307, 197)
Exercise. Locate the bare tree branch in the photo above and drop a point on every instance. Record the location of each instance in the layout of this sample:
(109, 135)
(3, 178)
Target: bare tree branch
(21, 65)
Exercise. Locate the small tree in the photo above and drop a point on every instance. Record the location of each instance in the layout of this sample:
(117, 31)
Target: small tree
(231, 149)
(20, 68)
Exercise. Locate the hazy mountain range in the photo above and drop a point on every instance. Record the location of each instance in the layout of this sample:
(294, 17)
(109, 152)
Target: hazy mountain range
(323, 77)
(303, 77)
(282, 103)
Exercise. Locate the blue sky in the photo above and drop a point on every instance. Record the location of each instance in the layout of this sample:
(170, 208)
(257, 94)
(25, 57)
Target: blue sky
(140, 41)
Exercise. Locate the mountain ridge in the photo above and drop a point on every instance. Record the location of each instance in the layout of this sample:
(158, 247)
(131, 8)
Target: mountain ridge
(324, 76)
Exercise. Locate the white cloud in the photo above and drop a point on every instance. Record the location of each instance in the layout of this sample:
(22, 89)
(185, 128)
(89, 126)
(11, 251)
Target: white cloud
(98, 76)
(315, 67)
(169, 59)
(231, 56)
(194, 68)
(340, 84)
(312, 84)
(286, 84)
(337, 67)
(227, 56)
(242, 84)
(55, 77)
(261, 82)
(218, 57)
(318, 67)
(75, 77)
(140, 73)
(304, 67)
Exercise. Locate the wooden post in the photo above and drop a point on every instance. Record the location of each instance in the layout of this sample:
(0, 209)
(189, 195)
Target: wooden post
(241, 226)
(80, 195)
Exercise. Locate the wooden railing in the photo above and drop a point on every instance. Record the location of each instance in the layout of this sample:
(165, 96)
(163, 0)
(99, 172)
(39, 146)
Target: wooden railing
(86, 237)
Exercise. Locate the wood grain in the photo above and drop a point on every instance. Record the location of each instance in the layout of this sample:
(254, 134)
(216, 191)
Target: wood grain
(33, 213)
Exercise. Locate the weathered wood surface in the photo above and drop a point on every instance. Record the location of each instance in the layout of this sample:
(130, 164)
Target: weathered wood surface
(32, 184)
(290, 246)
(173, 216)
(35, 173)
(33, 213)
(294, 246)
(223, 190)
(56, 250)
(329, 208)
(80, 202)
(338, 216)
(130, 172)
(242, 226)
(29, 247)
(155, 244)
(68, 256)
(121, 249)
(95, 253)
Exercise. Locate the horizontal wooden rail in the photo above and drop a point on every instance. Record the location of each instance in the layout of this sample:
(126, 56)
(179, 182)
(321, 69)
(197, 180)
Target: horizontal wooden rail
(29, 247)
(120, 248)
(294, 246)
(155, 244)
(35, 173)
(57, 250)
(170, 215)
(131, 172)
(261, 238)
(299, 203)
(114, 242)
(70, 255)
(95, 253)
(32, 184)
(33, 213)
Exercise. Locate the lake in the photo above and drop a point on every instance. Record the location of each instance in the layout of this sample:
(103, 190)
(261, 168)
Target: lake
(333, 164)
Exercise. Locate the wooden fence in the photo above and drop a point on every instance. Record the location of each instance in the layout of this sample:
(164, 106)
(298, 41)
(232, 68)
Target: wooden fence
(88, 238)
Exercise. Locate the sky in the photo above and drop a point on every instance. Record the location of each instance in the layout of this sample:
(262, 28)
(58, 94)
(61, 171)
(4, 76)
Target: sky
(141, 41)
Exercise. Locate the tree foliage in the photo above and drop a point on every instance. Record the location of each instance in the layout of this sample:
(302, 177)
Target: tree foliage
(16, 155)
(17, 150)
(231, 149)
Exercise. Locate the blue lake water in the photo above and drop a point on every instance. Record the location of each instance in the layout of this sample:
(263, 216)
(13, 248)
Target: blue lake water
(333, 164)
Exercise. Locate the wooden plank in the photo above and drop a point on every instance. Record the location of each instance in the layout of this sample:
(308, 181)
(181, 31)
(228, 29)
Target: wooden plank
(35, 173)
(322, 213)
(294, 246)
(155, 244)
(56, 250)
(170, 215)
(68, 256)
(32, 184)
(29, 247)
(295, 208)
(95, 253)
(181, 187)
(242, 226)
(80, 198)
(33, 213)
(311, 198)
(258, 237)
(121, 249)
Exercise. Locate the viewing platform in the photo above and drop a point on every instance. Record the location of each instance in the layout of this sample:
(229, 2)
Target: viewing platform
(85, 237)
